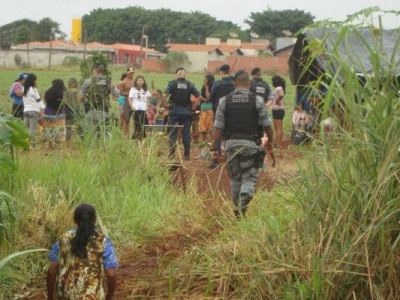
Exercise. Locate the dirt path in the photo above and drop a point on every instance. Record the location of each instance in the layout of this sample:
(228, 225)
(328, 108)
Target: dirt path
(141, 264)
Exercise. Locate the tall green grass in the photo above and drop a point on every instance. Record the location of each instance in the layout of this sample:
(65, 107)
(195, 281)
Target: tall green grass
(336, 234)
(129, 184)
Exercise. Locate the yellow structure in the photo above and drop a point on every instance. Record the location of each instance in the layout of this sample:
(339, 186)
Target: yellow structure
(77, 30)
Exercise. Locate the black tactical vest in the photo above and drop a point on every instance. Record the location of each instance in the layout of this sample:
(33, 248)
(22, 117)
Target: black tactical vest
(241, 117)
(260, 87)
(180, 93)
(99, 93)
(223, 89)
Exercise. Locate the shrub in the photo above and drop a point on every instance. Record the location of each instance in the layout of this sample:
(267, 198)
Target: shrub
(176, 59)
(18, 59)
(71, 61)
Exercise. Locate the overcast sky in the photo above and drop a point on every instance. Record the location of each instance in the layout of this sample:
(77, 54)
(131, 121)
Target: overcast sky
(63, 11)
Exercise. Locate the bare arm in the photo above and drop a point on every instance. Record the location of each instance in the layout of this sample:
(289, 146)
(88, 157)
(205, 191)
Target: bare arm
(18, 92)
(111, 283)
(270, 144)
(215, 136)
(279, 96)
(130, 100)
(51, 279)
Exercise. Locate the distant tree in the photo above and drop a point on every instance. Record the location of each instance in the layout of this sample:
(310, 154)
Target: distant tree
(23, 35)
(160, 25)
(176, 59)
(24, 31)
(47, 28)
(9, 31)
(271, 23)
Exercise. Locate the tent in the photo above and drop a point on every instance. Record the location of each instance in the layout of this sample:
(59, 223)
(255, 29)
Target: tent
(358, 48)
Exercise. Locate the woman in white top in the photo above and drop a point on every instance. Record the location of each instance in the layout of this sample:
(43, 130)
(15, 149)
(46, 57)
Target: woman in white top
(278, 111)
(138, 96)
(33, 106)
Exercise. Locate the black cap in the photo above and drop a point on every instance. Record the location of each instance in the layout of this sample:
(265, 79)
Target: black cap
(240, 73)
(255, 71)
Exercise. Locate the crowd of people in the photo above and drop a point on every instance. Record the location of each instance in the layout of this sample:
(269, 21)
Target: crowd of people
(244, 122)
(68, 109)
(233, 117)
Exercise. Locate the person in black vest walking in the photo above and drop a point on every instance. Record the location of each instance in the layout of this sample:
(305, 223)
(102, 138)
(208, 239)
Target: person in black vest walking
(260, 87)
(180, 110)
(220, 89)
(242, 138)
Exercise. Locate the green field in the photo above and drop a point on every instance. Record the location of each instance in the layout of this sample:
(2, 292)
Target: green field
(328, 229)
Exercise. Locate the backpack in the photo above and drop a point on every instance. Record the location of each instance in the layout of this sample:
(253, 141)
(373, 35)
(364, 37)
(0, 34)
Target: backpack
(99, 93)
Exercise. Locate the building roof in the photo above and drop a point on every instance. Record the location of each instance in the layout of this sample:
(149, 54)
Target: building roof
(73, 46)
(284, 49)
(131, 47)
(223, 47)
(190, 47)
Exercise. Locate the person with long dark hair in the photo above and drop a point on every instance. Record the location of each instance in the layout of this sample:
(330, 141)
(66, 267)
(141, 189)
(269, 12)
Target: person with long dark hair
(54, 112)
(277, 108)
(80, 259)
(138, 97)
(32, 105)
(206, 108)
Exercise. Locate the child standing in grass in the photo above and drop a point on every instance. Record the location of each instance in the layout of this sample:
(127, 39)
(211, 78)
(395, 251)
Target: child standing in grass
(80, 259)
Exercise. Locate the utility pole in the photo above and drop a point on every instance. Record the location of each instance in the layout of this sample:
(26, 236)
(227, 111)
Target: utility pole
(51, 45)
(141, 46)
(84, 45)
(27, 52)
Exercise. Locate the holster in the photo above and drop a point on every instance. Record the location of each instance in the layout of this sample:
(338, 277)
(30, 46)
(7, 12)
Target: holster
(259, 158)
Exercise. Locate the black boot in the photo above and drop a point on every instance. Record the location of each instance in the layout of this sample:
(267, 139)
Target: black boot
(244, 201)
(187, 154)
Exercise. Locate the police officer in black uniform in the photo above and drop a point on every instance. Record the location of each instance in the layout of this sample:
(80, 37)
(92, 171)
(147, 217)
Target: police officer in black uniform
(220, 89)
(180, 110)
(244, 118)
(260, 87)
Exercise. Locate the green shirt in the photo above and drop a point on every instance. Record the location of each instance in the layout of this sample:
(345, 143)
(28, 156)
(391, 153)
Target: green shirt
(206, 106)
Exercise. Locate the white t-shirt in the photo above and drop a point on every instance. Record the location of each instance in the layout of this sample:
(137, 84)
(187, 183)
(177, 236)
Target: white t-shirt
(139, 98)
(277, 105)
(31, 100)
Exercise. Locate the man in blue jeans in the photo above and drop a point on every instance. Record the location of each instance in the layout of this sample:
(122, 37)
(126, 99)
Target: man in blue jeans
(180, 110)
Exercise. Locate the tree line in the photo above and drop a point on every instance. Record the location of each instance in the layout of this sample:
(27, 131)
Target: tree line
(127, 25)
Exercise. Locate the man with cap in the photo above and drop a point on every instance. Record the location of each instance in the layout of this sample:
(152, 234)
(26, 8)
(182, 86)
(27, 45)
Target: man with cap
(124, 87)
(260, 87)
(180, 110)
(97, 90)
(16, 91)
(242, 139)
